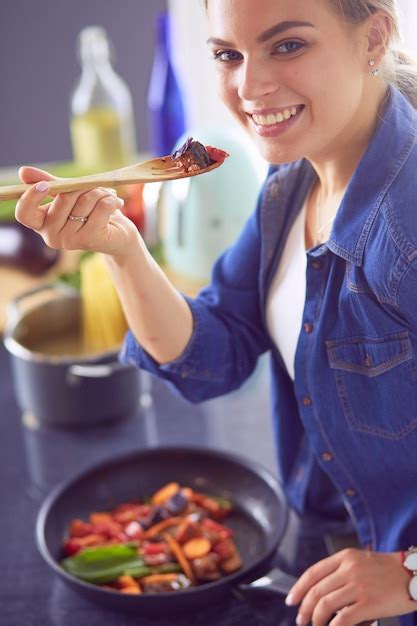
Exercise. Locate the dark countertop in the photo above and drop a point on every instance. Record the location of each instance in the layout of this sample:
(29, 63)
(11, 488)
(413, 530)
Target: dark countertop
(34, 459)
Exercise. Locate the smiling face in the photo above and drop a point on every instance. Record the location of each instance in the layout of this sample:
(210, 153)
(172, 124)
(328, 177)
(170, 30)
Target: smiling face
(290, 73)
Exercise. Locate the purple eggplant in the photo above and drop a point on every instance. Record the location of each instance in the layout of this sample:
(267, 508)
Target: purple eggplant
(156, 515)
(24, 249)
(182, 149)
(176, 504)
(196, 150)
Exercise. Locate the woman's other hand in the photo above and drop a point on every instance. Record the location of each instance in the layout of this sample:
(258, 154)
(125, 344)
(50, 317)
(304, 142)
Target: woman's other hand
(350, 587)
(105, 228)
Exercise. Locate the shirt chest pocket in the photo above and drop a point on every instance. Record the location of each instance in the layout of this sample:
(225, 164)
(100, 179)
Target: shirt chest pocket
(376, 383)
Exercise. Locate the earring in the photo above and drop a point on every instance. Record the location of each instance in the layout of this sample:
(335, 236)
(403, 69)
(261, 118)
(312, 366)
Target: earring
(375, 71)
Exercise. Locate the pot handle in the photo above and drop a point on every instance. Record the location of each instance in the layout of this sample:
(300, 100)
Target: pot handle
(101, 370)
(13, 308)
(276, 582)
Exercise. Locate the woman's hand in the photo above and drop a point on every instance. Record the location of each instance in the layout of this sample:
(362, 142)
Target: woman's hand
(352, 586)
(106, 229)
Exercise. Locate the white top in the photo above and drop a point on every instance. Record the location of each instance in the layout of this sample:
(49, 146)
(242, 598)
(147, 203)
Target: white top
(286, 296)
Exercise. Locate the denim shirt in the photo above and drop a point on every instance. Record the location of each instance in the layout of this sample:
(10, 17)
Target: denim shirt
(346, 429)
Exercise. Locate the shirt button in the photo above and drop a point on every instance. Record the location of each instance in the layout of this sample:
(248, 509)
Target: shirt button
(326, 456)
(308, 328)
(307, 401)
(350, 493)
(317, 265)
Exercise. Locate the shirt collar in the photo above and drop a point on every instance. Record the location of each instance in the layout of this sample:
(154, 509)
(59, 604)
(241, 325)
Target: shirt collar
(387, 152)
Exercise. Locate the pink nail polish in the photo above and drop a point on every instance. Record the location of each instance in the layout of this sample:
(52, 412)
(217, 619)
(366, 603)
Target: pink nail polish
(42, 186)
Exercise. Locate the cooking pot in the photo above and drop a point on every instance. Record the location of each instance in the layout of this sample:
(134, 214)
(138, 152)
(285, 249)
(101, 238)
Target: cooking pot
(62, 388)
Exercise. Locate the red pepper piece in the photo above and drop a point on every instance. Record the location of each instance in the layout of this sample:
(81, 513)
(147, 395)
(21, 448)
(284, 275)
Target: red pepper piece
(216, 154)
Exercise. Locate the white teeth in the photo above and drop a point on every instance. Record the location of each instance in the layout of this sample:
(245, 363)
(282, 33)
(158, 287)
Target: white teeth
(278, 118)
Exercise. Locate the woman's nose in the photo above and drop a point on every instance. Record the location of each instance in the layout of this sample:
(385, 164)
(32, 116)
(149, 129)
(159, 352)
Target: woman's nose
(256, 81)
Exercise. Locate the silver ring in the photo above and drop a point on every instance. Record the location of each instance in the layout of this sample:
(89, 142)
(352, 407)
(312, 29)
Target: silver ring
(77, 218)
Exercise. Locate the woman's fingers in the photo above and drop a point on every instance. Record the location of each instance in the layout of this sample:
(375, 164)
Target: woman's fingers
(328, 606)
(29, 211)
(98, 224)
(76, 203)
(29, 174)
(321, 600)
(100, 217)
(312, 576)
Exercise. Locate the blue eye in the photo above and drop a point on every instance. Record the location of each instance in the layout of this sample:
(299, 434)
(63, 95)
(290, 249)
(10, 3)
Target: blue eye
(226, 56)
(289, 47)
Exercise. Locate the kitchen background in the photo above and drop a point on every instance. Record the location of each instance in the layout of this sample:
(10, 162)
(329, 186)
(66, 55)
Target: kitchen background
(45, 404)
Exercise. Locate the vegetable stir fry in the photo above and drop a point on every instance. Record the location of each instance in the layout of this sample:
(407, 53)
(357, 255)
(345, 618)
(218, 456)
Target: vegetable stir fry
(172, 542)
(193, 156)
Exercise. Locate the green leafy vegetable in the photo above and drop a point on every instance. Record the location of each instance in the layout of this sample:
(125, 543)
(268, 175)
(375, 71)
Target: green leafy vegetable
(167, 568)
(222, 502)
(103, 564)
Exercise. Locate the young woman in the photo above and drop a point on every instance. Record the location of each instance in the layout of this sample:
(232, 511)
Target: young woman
(324, 276)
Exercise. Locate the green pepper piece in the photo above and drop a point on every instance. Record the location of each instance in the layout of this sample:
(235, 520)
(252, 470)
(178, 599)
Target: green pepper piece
(223, 502)
(102, 564)
(167, 568)
(138, 571)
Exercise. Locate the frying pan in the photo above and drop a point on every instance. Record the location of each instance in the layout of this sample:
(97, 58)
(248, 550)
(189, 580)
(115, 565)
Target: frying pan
(259, 519)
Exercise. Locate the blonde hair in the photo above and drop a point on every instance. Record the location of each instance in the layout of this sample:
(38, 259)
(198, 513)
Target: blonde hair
(399, 68)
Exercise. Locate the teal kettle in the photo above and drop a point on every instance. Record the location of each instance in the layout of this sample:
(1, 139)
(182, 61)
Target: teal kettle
(203, 215)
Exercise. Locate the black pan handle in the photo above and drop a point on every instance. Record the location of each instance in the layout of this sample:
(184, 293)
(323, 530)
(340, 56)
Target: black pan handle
(276, 582)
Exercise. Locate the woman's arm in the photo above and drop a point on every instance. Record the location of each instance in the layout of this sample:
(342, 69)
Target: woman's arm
(205, 347)
(157, 314)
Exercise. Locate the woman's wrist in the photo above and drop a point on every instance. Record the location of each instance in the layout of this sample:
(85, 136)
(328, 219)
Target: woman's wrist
(133, 255)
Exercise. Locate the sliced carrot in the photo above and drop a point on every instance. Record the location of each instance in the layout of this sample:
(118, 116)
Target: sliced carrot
(126, 515)
(207, 503)
(196, 548)
(187, 492)
(177, 551)
(75, 544)
(186, 530)
(126, 581)
(158, 528)
(100, 517)
(132, 590)
(158, 578)
(165, 493)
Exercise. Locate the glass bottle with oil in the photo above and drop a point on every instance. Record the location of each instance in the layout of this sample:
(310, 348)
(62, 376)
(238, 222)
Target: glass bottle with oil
(102, 121)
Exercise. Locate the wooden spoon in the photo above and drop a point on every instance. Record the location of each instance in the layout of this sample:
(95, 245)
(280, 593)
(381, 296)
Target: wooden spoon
(161, 169)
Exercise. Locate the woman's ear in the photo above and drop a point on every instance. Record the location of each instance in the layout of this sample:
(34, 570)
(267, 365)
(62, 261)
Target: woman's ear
(380, 30)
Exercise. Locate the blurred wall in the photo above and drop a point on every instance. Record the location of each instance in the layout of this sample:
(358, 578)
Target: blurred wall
(39, 67)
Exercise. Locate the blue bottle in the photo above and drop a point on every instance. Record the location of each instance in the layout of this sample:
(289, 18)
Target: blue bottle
(165, 104)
